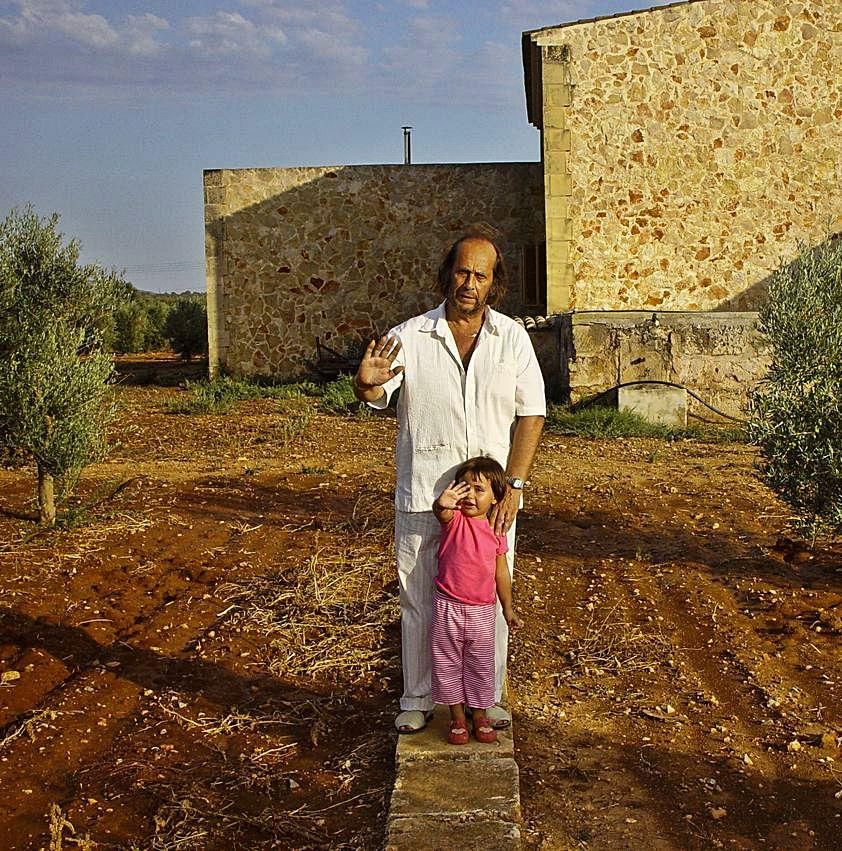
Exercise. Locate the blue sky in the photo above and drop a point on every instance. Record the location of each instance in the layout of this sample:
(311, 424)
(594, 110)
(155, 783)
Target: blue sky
(110, 110)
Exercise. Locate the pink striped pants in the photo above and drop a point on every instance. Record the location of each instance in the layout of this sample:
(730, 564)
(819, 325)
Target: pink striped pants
(462, 652)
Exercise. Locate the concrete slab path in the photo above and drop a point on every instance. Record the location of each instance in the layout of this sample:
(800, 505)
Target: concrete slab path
(448, 796)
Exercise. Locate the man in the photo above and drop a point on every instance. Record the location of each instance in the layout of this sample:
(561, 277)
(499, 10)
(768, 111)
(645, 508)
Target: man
(470, 385)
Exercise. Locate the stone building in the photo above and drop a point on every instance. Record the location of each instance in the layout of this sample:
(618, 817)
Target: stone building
(686, 151)
(336, 253)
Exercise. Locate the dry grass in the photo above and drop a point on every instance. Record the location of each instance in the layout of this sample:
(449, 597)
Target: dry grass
(58, 824)
(215, 814)
(28, 725)
(87, 531)
(372, 517)
(614, 645)
(234, 722)
(328, 620)
(199, 820)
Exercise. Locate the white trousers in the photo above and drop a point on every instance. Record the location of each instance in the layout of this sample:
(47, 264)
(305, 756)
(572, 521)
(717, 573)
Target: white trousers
(416, 548)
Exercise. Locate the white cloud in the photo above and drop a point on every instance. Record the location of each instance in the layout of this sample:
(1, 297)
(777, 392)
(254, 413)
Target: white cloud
(139, 34)
(59, 17)
(321, 30)
(91, 30)
(323, 46)
(227, 33)
(329, 15)
(442, 60)
(328, 46)
(42, 20)
(46, 46)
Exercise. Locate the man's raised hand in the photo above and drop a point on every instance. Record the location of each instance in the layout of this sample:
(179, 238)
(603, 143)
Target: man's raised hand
(376, 366)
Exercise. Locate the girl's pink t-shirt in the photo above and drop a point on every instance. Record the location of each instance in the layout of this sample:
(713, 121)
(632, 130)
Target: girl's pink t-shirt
(468, 552)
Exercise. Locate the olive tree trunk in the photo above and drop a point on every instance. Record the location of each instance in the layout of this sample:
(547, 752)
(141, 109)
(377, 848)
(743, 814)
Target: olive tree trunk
(46, 497)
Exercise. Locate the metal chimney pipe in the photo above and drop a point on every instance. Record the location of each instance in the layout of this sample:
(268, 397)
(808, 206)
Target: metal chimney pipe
(407, 145)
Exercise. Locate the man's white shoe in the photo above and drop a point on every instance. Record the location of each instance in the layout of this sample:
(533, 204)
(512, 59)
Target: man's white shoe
(412, 721)
(499, 717)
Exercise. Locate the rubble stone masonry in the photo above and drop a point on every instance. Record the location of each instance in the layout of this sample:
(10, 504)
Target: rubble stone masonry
(688, 150)
(336, 253)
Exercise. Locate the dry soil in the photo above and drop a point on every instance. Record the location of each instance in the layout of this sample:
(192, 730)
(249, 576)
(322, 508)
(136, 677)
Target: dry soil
(206, 654)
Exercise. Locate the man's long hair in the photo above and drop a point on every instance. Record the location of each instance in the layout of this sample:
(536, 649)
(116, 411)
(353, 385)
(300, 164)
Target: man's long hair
(498, 285)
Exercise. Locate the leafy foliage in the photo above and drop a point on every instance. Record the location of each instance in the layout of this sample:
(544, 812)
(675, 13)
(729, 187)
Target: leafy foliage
(221, 394)
(140, 323)
(602, 421)
(338, 398)
(40, 279)
(131, 326)
(796, 412)
(187, 328)
(56, 401)
(54, 312)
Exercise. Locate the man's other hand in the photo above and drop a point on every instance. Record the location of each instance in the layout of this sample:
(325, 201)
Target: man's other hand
(504, 512)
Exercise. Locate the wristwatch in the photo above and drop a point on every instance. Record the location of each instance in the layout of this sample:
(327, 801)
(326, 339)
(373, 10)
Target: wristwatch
(515, 483)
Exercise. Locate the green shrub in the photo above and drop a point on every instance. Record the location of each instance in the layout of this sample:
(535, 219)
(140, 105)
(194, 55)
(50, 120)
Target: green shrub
(140, 323)
(796, 411)
(221, 394)
(338, 398)
(131, 327)
(187, 328)
(55, 401)
(602, 421)
(293, 426)
(158, 309)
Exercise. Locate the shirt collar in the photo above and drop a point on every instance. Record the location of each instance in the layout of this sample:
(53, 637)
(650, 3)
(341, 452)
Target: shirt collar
(436, 320)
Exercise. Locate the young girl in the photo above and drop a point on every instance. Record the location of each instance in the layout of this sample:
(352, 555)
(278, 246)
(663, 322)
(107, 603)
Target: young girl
(472, 574)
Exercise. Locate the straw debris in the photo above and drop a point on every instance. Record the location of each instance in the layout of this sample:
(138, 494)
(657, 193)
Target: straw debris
(614, 645)
(27, 725)
(327, 618)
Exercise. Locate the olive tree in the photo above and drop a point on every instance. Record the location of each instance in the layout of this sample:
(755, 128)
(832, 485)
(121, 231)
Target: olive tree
(796, 411)
(187, 328)
(55, 400)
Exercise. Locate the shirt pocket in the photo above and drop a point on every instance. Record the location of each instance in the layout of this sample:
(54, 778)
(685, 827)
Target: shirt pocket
(431, 420)
(500, 391)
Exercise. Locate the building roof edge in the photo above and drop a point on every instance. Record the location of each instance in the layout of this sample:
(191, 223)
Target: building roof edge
(611, 17)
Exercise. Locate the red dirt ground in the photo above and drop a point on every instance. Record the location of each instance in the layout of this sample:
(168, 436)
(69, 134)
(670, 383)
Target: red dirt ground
(206, 654)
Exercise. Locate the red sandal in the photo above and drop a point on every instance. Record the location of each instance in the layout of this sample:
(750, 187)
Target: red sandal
(485, 733)
(458, 733)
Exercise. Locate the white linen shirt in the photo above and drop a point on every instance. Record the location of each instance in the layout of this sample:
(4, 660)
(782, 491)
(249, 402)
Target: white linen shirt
(447, 414)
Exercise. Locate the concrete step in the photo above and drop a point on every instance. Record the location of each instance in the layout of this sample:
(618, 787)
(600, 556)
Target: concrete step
(431, 743)
(424, 833)
(463, 796)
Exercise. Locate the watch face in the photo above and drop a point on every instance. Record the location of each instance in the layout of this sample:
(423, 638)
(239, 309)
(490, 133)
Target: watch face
(517, 484)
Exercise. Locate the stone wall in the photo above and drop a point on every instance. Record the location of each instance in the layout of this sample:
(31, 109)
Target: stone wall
(335, 253)
(719, 356)
(688, 150)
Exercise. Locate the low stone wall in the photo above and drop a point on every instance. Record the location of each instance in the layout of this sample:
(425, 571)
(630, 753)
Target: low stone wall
(719, 356)
(339, 252)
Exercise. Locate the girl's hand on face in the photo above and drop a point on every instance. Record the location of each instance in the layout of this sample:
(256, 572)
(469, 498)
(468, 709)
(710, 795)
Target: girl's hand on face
(452, 495)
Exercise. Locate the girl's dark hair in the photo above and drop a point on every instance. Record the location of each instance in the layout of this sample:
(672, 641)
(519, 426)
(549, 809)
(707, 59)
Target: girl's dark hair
(487, 467)
(500, 279)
